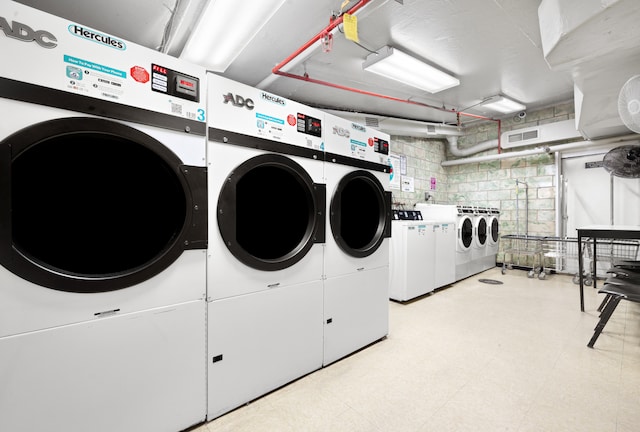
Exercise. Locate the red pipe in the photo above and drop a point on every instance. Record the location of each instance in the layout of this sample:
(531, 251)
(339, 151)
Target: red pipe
(364, 92)
(333, 24)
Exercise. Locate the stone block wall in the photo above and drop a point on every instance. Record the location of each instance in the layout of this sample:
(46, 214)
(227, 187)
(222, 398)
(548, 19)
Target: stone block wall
(493, 183)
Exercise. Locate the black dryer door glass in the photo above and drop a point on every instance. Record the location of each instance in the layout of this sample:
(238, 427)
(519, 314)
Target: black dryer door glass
(482, 231)
(467, 232)
(95, 205)
(494, 230)
(360, 214)
(270, 213)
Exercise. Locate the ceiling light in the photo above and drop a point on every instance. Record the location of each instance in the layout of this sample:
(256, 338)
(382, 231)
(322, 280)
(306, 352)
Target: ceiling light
(392, 63)
(225, 29)
(502, 104)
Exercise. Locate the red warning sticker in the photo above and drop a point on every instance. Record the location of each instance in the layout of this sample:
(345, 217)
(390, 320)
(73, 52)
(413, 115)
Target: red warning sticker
(370, 142)
(139, 74)
(292, 120)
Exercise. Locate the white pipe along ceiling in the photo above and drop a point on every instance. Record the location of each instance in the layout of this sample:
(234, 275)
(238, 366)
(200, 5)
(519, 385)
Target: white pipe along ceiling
(542, 149)
(538, 53)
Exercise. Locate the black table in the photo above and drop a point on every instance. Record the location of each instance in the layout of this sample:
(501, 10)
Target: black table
(616, 232)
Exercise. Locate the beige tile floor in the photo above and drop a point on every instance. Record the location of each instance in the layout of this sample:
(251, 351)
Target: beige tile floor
(472, 357)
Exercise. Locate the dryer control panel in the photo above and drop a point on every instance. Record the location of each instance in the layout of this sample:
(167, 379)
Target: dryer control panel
(168, 81)
(353, 140)
(407, 215)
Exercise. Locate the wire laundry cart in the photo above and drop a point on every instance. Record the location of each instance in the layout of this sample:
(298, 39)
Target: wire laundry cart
(524, 251)
(560, 254)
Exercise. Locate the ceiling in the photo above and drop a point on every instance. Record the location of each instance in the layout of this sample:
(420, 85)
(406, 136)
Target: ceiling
(492, 46)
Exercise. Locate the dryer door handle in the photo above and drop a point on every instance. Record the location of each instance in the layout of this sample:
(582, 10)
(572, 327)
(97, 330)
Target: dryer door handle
(196, 234)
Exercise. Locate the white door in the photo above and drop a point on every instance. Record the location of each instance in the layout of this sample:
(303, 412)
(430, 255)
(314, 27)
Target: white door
(588, 195)
(587, 189)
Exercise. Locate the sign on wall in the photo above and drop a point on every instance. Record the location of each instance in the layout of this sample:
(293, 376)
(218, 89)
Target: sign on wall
(395, 171)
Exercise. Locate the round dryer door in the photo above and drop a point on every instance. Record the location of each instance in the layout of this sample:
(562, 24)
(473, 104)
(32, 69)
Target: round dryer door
(93, 205)
(270, 213)
(494, 231)
(481, 231)
(465, 233)
(360, 214)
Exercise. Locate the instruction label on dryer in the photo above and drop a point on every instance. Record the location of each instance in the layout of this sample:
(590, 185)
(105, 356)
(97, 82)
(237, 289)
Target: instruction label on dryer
(94, 79)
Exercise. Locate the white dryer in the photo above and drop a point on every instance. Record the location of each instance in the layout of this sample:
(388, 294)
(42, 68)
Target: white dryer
(480, 240)
(102, 231)
(465, 239)
(266, 236)
(493, 237)
(356, 265)
(412, 267)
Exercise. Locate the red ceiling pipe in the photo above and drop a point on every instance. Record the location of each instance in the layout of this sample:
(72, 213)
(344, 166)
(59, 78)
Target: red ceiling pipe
(333, 24)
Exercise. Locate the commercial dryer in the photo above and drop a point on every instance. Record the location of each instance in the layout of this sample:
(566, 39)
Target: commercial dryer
(266, 241)
(356, 261)
(102, 231)
(493, 238)
(480, 240)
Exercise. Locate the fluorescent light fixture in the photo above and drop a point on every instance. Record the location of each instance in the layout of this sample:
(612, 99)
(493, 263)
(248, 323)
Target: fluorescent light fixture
(502, 104)
(225, 29)
(397, 65)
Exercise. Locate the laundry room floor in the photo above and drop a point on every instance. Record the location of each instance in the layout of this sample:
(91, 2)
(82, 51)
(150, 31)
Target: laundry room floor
(473, 357)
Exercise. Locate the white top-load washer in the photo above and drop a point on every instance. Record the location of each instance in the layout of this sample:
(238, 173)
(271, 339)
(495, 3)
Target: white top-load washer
(356, 265)
(445, 238)
(102, 231)
(413, 256)
(266, 236)
(443, 219)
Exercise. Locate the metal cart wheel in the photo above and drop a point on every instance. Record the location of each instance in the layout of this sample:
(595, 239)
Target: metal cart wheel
(588, 281)
(542, 275)
(504, 269)
(530, 274)
(576, 279)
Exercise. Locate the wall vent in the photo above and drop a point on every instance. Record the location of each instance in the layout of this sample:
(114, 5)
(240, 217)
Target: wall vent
(371, 122)
(558, 131)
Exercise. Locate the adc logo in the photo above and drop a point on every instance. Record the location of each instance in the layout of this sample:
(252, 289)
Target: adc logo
(25, 33)
(238, 101)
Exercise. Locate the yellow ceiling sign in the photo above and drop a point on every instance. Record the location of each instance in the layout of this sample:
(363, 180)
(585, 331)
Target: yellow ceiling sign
(350, 27)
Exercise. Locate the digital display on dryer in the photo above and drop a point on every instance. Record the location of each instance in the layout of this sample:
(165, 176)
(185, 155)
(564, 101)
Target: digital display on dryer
(164, 80)
(381, 146)
(309, 125)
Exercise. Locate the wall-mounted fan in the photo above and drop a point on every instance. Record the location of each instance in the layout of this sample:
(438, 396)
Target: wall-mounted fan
(623, 161)
(629, 103)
